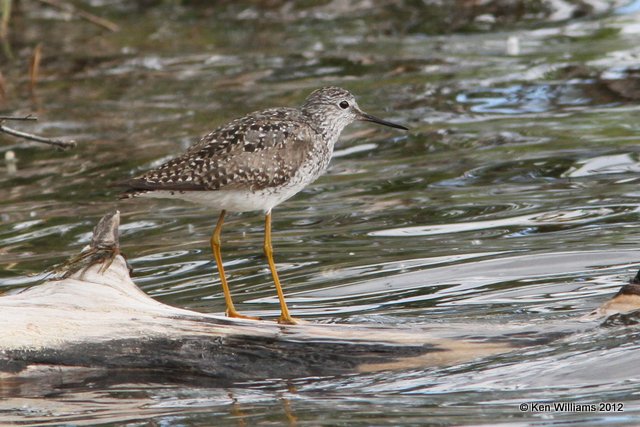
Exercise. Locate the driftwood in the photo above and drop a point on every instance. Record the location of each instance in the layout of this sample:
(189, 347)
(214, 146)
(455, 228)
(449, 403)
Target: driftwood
(95, 324)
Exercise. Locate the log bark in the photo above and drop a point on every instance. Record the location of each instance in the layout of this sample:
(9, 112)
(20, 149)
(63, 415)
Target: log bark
(95, 323)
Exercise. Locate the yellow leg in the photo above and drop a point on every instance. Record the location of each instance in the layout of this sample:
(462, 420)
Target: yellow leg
(215, 247)
(285, 317)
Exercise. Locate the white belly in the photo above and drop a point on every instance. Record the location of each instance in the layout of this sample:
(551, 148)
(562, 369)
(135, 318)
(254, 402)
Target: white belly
(231, 200)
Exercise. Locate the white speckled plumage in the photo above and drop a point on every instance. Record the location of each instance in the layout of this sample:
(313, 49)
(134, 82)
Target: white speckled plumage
(260, 160)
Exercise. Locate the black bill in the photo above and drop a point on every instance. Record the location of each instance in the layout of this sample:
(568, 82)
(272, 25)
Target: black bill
(369, 118)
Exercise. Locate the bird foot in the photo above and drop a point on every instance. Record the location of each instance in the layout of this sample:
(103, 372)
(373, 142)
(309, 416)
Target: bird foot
(290, 321)
(237, 315)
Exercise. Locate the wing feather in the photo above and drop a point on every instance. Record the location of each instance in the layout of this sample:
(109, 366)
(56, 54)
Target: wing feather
(261, 150)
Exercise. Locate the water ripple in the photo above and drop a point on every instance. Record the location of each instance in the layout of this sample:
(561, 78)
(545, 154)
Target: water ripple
(577, 216)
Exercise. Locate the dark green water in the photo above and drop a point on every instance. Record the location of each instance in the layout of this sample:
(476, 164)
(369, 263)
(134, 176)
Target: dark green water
(513, 199)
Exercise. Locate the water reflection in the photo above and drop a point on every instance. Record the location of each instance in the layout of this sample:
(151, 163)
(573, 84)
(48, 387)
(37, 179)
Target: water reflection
(610, 164)
(579, 216)
(523, 99)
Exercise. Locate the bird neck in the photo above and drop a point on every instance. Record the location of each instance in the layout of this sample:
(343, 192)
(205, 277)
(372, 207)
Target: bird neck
(324, 126)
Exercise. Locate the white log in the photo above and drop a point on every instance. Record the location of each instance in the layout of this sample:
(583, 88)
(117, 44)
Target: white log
(98, 322)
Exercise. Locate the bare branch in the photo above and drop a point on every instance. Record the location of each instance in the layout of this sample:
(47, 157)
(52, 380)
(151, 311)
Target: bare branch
(28, 117)
(51, 141)
(67, 7)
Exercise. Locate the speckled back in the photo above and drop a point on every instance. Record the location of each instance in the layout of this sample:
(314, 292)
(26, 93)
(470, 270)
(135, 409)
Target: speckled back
(263, 149)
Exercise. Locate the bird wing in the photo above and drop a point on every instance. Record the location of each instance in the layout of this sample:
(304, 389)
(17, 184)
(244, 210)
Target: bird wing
(261, 150)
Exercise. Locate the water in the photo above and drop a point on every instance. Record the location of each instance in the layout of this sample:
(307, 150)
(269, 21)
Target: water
(513, 200)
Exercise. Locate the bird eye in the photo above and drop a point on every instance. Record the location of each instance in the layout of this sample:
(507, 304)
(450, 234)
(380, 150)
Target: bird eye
(344, 105)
